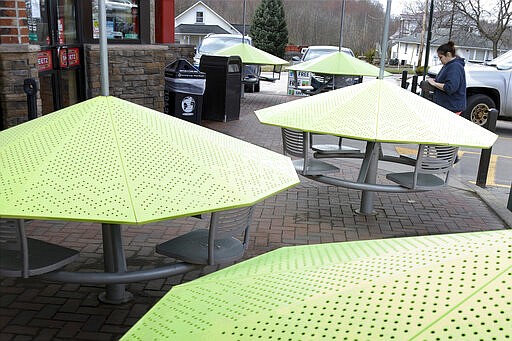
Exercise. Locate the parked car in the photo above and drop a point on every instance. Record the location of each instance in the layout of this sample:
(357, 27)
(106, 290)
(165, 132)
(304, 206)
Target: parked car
(312, 52)
(119, 5)
(316, 80)
(215, 42)
(488, 85)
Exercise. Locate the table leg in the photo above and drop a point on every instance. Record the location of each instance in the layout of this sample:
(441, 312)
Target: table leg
(115, 261)
(372, 158)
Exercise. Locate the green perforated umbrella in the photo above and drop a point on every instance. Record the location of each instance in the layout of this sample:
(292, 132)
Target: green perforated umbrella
(378, 111)
(432, 287)
(112, 161)
(338, 63)
(251, 55)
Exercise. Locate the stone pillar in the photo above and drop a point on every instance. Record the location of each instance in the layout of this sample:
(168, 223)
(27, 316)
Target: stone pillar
(17, 62)
(136, 72)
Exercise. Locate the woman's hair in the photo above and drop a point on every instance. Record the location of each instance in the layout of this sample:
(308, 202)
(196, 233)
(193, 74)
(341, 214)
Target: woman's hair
(445, 48)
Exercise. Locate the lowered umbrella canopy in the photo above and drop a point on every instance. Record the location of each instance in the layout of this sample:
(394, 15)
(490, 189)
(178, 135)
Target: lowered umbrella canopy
(251, 55)
(338, 63)
(378, 111)
(112, 161)
(397, 288)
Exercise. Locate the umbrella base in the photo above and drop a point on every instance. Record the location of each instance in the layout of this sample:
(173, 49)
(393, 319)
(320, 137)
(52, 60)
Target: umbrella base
(122, 297)
(366, 214)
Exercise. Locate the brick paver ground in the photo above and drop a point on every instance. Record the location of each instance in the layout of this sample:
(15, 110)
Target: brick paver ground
(310, 213)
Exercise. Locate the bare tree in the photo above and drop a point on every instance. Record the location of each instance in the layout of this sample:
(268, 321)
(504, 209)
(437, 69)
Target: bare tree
(492, 21)
(313, 22)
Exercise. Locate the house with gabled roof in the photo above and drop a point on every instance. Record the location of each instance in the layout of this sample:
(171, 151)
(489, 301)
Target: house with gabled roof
(197, 21)
(405, 42)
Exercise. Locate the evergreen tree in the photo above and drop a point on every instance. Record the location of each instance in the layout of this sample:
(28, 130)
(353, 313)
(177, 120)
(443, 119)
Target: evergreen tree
(268, 28)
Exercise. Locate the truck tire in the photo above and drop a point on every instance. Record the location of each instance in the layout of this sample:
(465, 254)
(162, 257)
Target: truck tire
(477, 110)
(257, 87)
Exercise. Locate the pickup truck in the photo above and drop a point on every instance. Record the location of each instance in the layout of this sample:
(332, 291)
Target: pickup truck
(488, 85)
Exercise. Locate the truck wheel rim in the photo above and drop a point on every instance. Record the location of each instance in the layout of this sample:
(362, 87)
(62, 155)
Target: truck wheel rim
(479, 114)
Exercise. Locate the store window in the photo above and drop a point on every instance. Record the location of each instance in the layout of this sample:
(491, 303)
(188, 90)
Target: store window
(37, 22)
(199, 17)
(479, 55)
(122, 19)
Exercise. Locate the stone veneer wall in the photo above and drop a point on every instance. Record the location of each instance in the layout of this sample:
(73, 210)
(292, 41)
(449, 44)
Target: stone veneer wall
(136, 72)
(17, 62)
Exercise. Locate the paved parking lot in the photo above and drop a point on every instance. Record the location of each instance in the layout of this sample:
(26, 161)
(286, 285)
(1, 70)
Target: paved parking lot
(310, 213)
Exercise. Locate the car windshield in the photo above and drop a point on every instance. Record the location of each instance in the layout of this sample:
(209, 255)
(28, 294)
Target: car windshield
(212, 44)
(311, 54)
(503, 62)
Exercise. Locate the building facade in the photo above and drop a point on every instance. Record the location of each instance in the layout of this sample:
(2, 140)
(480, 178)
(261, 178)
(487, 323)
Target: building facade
(197, 21)
(54, 45)
(405, 43)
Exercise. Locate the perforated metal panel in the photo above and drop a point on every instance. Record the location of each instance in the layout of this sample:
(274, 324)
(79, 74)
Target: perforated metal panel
(338, 63)
(251, 55)
(434, 287)
(378, 111)
(110, 160)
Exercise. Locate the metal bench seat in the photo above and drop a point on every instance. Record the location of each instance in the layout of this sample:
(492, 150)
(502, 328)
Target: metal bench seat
(217, 245)
(433, 164)
(296, 143)
(24, 257)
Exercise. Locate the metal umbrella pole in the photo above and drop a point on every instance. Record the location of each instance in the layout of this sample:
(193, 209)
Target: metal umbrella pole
(243, 24)
(242, 90)
(102, 13)
(371, 177)
(341, 24)
(113, 251)
(384, 47)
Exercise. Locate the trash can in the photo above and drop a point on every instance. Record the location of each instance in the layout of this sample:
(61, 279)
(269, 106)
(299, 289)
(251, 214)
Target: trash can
(184, 89)
(223, 87)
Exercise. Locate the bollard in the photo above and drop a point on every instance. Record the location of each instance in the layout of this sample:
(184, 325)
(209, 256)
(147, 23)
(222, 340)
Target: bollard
(404, 79)
(509, 205)
(30, 88)
(414, 83)
(485, 155)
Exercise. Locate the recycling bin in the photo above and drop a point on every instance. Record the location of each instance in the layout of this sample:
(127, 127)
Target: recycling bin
(223, 87)
(184, 89)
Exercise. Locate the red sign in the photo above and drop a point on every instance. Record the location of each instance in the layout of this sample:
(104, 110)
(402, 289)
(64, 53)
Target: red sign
(69, 57)
(44, 61)
(60, 29)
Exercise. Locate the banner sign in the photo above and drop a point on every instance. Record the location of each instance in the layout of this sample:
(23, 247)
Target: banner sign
(69, 57)
(44, 61)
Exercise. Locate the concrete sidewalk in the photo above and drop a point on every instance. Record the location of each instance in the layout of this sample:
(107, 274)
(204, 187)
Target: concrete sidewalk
(309, 213)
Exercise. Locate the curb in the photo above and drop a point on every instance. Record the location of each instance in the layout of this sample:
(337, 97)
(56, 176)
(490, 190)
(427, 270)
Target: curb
(494, 204)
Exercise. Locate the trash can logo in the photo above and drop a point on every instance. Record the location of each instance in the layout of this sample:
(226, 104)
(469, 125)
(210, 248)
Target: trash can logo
(188, 105)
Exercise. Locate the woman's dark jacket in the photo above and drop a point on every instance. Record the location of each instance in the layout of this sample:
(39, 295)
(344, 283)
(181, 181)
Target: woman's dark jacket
(452, 75)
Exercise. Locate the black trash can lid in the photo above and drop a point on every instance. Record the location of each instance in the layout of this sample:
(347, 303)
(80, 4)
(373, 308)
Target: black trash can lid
(182, 68)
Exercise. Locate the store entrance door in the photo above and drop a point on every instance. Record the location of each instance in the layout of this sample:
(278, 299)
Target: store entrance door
(53, 25)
